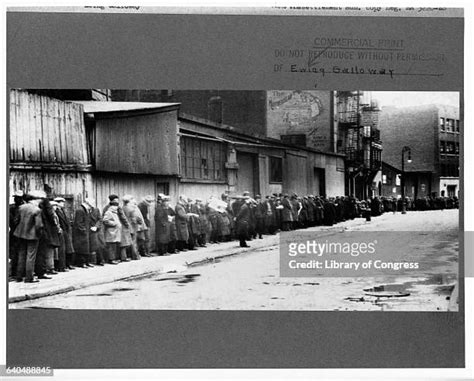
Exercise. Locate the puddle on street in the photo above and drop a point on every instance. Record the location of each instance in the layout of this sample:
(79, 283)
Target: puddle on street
(180, 279)
(384, 295)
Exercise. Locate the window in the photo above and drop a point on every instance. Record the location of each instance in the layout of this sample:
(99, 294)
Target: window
(450, 125)
(457, 125)
(450, 148)
(202, 159)
(384, 179)
(442, 147)
(457, 149)
(276, 169)
(297, 140)
(441, 123)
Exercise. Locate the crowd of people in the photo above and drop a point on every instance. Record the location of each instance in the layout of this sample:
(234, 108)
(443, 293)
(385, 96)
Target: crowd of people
(44, 241)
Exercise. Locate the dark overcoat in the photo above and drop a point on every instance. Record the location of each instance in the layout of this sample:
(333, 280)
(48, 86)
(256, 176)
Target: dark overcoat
(242, 219)
(81, 230)
(67, 230)
(97, 239)
(162, 225)
(50, 224)
(287, 211)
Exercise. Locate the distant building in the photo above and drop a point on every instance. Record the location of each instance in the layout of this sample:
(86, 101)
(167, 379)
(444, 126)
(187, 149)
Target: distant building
(433, 134)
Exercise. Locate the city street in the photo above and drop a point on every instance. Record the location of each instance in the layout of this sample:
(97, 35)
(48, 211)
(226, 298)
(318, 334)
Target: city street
(250, 279)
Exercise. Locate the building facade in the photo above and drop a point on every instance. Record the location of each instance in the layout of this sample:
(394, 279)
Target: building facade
(432, 133)
(329, 122)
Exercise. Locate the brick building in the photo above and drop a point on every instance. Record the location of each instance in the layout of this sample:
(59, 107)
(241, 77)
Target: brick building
(432, 132)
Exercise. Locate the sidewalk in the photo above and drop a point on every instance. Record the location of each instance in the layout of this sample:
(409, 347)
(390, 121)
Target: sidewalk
(81, 278)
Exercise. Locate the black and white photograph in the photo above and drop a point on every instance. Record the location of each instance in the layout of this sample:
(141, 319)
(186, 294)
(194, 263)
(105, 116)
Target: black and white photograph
(248, 191)
(182, 199)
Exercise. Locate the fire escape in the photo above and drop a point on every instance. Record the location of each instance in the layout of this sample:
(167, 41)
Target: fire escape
(359, 140)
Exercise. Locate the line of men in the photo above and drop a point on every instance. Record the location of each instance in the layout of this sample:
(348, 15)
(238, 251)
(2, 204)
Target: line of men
(43, 241)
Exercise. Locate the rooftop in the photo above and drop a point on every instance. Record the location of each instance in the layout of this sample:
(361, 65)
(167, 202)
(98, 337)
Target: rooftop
(92, 107)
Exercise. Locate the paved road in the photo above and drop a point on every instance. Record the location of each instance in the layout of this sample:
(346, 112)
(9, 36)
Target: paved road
(250, 281)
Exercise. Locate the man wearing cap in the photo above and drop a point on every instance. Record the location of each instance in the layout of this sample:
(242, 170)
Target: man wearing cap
(203, 223)
(193, 223)
(135, 219)
(144, 239)
(121, 214)
(28, 230)
(181, 222)
(112, 232)
(14, 242)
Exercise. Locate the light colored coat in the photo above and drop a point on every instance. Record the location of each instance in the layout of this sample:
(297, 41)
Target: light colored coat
(113, 227)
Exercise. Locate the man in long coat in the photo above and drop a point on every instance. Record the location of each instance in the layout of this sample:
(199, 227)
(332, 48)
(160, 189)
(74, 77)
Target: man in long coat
(204, 224)
(242, 222)
(135, 219)
(181, 222)
(96, 235)
(112, 232)
(81, 230)
(65, 251)
(49, 240)
(162, 225)
(193, 223)
(286, 213)
(329, 212)
(144, 244)
(260, 214)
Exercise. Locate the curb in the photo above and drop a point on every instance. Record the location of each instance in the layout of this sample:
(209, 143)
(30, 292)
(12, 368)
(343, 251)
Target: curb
(177, 267)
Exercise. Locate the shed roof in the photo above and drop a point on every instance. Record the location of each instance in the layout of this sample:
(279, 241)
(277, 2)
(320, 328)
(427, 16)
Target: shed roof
(92, 107)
